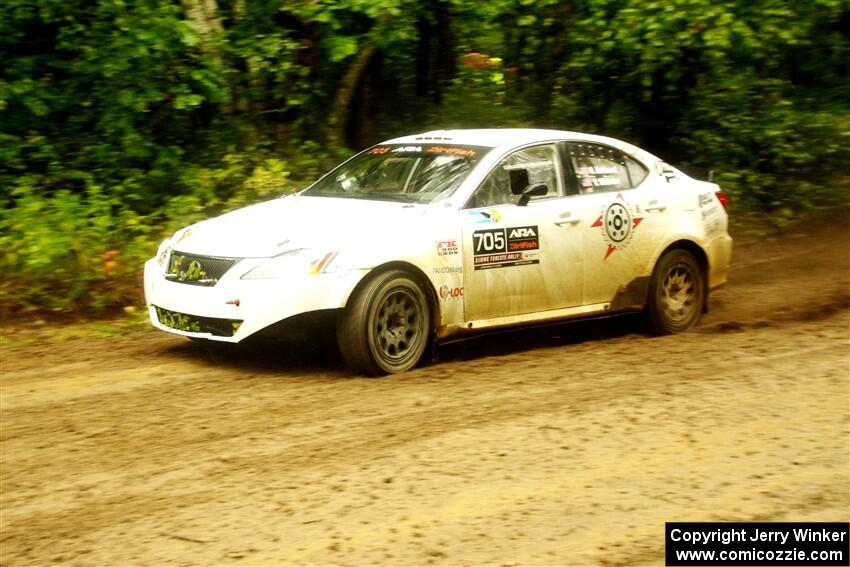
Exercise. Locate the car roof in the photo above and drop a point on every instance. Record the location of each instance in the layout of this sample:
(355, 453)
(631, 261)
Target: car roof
(493, 137)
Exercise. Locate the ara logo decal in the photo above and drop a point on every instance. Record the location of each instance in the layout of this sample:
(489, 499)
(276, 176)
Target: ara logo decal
(523, 232)
(618, 221)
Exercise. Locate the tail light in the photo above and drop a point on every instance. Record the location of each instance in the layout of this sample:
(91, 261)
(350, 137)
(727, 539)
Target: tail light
(724, 200)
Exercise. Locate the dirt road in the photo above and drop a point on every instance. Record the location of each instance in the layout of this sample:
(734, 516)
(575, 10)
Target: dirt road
(570, 445)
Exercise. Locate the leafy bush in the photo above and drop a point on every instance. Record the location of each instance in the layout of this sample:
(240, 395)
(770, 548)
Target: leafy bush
(71, 252)
(769, 151)
(68, 250)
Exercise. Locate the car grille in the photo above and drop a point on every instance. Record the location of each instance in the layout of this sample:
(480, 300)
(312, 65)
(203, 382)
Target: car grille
(196, 323)
(197, 270)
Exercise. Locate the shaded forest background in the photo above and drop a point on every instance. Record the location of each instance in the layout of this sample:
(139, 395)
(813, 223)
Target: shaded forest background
(121, 120)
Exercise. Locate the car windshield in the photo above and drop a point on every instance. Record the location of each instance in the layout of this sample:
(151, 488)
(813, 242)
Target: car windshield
(405, 173)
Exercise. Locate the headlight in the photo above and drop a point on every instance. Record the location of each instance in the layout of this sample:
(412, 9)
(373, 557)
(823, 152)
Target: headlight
(302, 261)
(162, 253)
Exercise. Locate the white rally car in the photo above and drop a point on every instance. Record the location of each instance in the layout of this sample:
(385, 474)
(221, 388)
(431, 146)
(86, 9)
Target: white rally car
(425, 237)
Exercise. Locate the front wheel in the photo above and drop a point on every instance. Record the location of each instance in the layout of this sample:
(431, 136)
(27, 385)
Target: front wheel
(385, 327)
(676, 293)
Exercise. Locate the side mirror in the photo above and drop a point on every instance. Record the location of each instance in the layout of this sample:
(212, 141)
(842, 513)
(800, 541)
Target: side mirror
(535, 190)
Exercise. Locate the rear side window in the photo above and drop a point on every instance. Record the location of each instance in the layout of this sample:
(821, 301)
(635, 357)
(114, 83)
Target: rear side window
(599, 168)
(637, 171)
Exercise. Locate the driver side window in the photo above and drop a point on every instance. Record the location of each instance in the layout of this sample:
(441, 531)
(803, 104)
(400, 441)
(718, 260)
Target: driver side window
(542, 165)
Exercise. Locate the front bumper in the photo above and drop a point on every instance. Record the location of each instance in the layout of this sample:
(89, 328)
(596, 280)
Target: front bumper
(204, 312)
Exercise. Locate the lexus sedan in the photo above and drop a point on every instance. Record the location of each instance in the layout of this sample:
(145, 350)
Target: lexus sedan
(424, 238)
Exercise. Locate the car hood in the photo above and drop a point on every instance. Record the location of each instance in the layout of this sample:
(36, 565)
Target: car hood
(269, 228)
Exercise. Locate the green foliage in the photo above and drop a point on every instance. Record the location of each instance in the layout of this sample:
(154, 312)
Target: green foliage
(178, 321)
(482, 82)
(777, 153)
(73, 251)
(123, 120)
(69, 248)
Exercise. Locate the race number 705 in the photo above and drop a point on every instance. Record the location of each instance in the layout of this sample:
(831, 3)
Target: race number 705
(489, 241)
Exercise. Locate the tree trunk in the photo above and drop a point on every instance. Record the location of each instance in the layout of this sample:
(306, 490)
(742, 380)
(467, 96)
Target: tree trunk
(423, 55)
(435, 50)
(339, 114)
(204, 15)
(446, 57)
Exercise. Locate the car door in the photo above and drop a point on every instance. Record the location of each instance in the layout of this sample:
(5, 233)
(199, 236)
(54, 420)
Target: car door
(520, 259)
(623, 215)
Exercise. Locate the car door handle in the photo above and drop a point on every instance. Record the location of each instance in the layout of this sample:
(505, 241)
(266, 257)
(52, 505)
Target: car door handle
(566, 219)
(654, 206)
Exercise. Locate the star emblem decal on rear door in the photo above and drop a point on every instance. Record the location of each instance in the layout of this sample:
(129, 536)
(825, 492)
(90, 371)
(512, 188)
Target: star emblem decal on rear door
(618, 220)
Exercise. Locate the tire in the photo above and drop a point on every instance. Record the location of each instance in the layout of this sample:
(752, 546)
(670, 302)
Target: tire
(386, 326)
(676, 293)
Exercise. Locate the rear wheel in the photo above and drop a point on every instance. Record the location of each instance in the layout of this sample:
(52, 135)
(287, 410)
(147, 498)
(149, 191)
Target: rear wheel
(676, 293)
(385, 327)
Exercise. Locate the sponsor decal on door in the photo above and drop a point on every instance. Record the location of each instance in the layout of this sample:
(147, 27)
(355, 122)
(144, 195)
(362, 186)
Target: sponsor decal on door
(502, 247)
